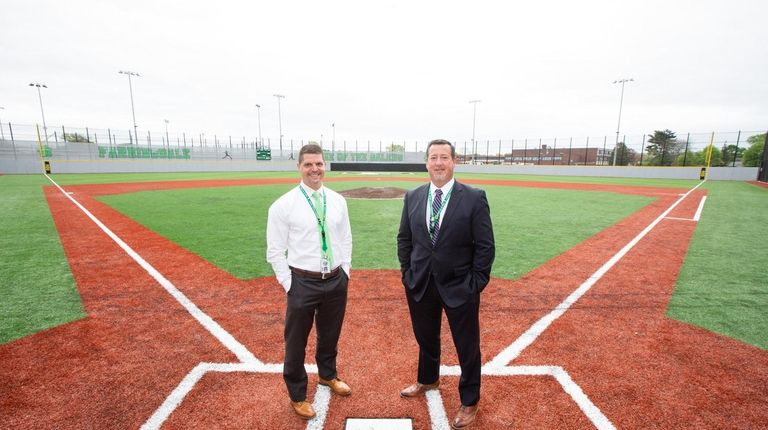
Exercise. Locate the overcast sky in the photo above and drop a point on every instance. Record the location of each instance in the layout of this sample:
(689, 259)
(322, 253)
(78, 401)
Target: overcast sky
(390, 70)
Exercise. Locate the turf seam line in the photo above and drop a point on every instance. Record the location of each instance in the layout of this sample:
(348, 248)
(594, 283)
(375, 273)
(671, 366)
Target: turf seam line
(240, 351)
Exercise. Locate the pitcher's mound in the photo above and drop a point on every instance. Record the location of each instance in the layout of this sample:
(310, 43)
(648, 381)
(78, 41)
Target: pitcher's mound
(374, 193)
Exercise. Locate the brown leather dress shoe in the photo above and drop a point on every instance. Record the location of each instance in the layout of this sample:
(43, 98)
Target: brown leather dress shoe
(418, 389)
(336, 385)
(304, 409)
(465, 417)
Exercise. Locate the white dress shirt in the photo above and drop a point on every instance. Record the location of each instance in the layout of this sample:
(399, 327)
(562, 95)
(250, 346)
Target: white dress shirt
(446, 189)
(293, 234)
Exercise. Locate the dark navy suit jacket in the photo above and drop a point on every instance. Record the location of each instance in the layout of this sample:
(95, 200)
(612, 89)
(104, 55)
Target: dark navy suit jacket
(460, 262)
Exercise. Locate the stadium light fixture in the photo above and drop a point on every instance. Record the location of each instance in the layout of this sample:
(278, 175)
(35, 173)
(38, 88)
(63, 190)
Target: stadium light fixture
(280, 122)
(42, 112)
(474, 116)
(133, 111)
(167, 139)
(258, 114)
(618, 126)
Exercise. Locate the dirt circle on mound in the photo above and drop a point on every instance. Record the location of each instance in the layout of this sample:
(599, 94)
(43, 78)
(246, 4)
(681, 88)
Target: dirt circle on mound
(374, 193)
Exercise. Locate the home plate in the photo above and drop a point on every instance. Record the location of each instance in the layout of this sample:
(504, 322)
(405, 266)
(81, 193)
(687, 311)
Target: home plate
(379, 424)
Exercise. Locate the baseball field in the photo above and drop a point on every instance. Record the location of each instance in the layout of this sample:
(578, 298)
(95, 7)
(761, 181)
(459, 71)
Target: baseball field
(145, 301)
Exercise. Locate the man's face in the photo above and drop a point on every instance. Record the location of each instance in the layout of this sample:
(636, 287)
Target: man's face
(440, 164)
(312, 168)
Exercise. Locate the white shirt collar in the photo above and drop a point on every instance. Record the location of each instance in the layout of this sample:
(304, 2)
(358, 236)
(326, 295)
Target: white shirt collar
(445, 188)
(310, 190)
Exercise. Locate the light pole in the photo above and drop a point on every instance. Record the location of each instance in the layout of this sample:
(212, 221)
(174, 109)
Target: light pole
(167, 139)
(133, 111)
(474, 116)
(618, 126)
(42, 113)
(333, 141)
(280, 122)
(2, 136)
(258, 114)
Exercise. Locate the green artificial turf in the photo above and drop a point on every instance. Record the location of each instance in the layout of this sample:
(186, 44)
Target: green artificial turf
(227, 225)
(723, 285)
(37, 290)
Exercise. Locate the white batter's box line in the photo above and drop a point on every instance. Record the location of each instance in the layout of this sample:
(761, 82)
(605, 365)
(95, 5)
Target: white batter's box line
(186, 385)
(592, 412)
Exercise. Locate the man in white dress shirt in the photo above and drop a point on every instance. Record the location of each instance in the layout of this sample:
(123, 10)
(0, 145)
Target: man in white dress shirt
(309, 245)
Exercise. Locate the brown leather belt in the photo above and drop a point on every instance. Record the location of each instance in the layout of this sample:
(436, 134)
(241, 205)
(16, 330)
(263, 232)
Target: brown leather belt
(315, 275)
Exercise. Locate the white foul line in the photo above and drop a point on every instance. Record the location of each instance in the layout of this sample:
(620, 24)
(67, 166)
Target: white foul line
(248, 362)
(699, 209)
(530, 335)
(207, 322)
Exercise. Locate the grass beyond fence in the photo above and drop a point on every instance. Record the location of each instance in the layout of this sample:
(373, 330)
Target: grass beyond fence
(226, 226)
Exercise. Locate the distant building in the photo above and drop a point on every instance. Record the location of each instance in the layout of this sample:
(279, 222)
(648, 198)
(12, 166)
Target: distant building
(545, 155)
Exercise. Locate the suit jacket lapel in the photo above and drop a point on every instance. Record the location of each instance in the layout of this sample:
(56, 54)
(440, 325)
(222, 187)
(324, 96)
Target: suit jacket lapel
(452, 207)
(421, 208)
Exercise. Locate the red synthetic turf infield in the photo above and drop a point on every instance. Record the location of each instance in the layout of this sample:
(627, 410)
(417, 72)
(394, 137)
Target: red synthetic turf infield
(114, 368)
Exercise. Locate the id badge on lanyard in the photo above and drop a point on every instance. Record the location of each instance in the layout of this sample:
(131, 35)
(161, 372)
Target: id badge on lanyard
(326, 266)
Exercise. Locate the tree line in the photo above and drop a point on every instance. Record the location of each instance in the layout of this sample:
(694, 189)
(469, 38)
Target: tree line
(665, 149)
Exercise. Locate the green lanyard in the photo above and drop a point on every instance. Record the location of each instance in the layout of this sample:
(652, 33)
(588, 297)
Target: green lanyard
(435, 217)
(320, 224)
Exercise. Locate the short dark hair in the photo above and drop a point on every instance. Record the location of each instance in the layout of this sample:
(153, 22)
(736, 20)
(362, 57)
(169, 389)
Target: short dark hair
(310, 148)
(442, 142)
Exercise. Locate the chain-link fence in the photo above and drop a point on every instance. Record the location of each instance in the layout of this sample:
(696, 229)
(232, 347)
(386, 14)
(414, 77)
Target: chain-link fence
(660, 148)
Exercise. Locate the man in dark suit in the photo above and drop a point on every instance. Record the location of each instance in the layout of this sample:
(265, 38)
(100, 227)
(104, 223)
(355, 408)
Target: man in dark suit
(445, 246)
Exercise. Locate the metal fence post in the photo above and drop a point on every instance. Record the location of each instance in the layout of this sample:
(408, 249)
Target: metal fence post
(554, 150)
(13, 142)
(605, 141)
(538, 162)
(586, 153)
(525, 151)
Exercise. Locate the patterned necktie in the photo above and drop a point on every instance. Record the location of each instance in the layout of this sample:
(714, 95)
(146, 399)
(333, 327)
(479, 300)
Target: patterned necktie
(436, 203)
(317, 200)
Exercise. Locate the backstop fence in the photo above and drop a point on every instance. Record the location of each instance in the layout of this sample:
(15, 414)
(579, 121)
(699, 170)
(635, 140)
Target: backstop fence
(725, 149)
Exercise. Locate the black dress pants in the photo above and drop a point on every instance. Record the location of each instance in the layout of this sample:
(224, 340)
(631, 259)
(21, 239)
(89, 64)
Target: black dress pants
(310, 300)
(464, 321)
